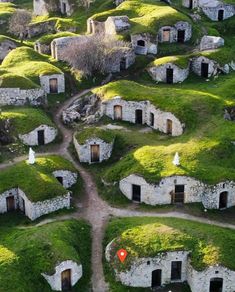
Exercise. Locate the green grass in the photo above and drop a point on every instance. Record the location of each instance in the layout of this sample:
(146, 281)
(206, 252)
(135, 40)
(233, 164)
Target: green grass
(36, 180)
(147, 237)
(24, 119)
(28, 252)
(181, 61)
(94, 132)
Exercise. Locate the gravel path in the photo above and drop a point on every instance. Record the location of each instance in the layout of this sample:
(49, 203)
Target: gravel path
(94, 209)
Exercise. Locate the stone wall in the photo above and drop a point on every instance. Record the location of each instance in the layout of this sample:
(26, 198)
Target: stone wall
(125, 57)
(173, 37)
(129, 114)
(3, 196)
(84, 151)
(194, 191)
(5, 48)
(148, 44)
(196, 66)
(31, 138)
(212, 12)
(95, 27)
(69, 177)
(186, 3)
(17, 96)
(39, 28)
(42, 48)
(55, 279)
(39, 7)
(211, 43)
(45, 82)
(116, 24)
(159, 73)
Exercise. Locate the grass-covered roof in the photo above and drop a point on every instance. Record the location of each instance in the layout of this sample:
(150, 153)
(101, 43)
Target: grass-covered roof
(25, 119)
(27, 252)
(48, 38)
(145, 16)
(94, 132)
(147, 237)
(36, 180)
(181, 61)
(22, 68)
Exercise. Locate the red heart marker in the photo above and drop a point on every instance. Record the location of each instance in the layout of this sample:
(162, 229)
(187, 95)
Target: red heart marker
(122, 254)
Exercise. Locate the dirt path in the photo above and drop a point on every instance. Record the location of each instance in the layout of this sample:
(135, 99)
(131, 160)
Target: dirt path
(94, 209)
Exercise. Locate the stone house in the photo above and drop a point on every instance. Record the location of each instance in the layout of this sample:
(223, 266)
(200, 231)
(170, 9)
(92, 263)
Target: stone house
(125, 57)
(66, 275)
(168, 73)
(116, 24)
(204, 67)
(42, 7)
(211, 43)
(42, 48)
(181, 32)
(174, 267)
(6, 46)
(53, 84)
(94, 150)
(142, 112)
(144, 44)
(41, 135)
(15, 199)
(95, 27)
(178, 189)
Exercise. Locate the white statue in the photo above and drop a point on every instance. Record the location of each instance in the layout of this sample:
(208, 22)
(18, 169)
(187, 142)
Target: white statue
(31, 156)
(176, 160)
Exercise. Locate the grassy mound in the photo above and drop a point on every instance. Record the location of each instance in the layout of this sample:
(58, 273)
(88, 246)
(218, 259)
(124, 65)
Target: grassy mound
(36, 180)
(47, 39)
(180, 61)
(28, 252)
(25, 120)
(147, 237)
(93, 132)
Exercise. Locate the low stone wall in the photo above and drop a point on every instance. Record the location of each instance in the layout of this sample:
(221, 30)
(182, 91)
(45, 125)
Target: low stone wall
(55, 279)
(17, 96)
(129, 114)
(31, 138)
(69, 177)
(45, 82)
(159, 73)
(84, 151)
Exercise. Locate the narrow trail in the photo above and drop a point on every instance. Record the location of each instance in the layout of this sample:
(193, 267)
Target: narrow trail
(95, 210)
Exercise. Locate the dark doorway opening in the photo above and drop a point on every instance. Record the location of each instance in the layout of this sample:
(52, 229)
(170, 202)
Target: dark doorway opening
(151, 119)
(176, 269)
(190, 4)
(220, 15)
(53, 85)
(169, 124)
(181, 36)
(223, 200)
(204, 70)
(23, 205)
(141, 43)
(123, 64)
(117, 112)
(156, 278)
(169, 75)
(60, 179)
(10, 203)
(41, 137)
(136, 193)
(179, 194)
(139, 117)
(66, 284)
(95, 153)
(216, 285)
(64, 8)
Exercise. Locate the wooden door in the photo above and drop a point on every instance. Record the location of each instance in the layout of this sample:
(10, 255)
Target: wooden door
(53, 85)
(169, 75)
(136, 193)
(156, 278)
(169, 124)
(223, 199)
(41, 137)
(204, 70)
(66, 284)
(10, 203)
(139, 117)
(181, 36)
(166, 35)
(216, 285)
(220, 15)
(95, 153)
(117, 112)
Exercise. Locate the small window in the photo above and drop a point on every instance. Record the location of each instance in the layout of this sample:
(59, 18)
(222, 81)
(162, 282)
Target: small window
(216, 272)
(148, 263)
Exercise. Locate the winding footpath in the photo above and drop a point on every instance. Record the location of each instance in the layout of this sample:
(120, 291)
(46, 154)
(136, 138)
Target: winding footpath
(92, 208)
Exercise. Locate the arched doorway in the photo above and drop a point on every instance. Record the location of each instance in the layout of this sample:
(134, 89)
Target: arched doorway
(181, 36)
(220, 15)
(117, 112)
(66, 284)
(10, 201)
(139, 117)
(156, 278)
(141, 43)
(216, 285)
(223, 200)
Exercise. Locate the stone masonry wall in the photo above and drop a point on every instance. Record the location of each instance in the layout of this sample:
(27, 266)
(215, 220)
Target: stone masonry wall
(212, 12)
(45, 82)
(196, 66)
(17, 96)
(3, 196)
(159, 73)
(181, 25)
(84, 151)
(129, 109)
(69, 177)
(55, 279)
(31, 138)
(150, 44)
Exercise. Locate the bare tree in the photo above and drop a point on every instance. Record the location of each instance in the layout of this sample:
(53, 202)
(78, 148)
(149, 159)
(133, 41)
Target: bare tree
(19, 23)
(96, 53)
